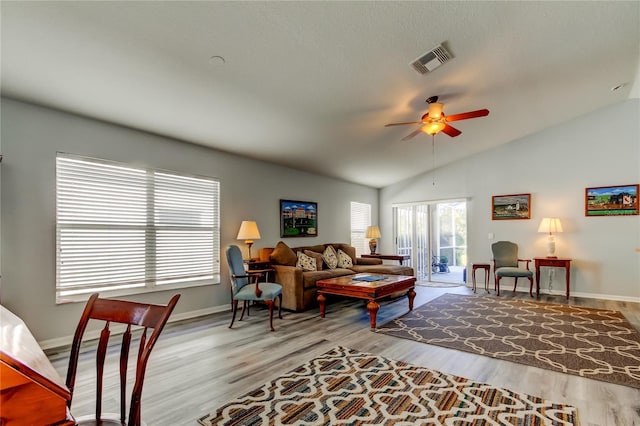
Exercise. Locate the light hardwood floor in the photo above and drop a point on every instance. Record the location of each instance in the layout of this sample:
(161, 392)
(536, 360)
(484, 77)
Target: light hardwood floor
(198, 365)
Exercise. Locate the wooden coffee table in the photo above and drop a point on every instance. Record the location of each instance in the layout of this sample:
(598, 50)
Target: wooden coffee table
(368, 290)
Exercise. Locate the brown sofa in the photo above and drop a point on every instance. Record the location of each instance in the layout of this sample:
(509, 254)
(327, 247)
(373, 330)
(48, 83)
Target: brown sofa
(299, 287)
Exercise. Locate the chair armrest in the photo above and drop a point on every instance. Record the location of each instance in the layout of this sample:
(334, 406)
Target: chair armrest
(525, 260)
(249, 275)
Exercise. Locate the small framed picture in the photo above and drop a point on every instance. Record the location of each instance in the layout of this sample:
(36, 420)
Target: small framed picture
(298, 219)
(515, 206)
(621, 200)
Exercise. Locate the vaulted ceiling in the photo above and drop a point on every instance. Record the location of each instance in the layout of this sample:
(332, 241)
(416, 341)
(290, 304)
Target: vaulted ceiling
(310, 85)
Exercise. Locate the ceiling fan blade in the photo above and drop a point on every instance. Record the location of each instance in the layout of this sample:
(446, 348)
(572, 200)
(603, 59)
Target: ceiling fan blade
(402, 124)
(451, 131)
(467, 115)
(412, 134)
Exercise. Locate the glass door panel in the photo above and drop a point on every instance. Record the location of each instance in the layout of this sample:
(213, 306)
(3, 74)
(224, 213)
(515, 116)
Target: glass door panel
(450, 241)
(422, 264)
(404, 231)
(435, 236)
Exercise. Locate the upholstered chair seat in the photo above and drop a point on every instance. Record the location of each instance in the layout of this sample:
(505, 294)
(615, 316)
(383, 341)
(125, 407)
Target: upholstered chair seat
(269, 291)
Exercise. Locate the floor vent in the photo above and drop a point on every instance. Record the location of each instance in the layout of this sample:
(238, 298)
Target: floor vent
(431, 60)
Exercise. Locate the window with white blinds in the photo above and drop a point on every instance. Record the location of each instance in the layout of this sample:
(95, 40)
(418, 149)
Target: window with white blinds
(128, 229)
(360, 220)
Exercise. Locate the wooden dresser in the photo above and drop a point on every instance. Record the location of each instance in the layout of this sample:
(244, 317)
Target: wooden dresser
(31, 390)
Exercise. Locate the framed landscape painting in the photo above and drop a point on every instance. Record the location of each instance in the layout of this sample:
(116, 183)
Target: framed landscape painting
(619, 200)
(515, 206)
(298, 219)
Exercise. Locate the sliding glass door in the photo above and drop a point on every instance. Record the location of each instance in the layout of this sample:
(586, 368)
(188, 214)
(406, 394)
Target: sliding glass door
(434, 234)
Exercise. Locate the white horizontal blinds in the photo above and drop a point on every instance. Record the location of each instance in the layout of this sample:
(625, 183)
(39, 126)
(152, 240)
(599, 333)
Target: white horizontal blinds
(186, 228)
(101, 218)
(120, 227)
(360, 220)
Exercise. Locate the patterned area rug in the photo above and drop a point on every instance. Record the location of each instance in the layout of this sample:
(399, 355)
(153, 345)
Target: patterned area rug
(346, 387)
(592, 343)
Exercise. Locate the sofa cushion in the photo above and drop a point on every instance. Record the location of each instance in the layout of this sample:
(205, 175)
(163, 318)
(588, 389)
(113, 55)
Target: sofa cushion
(344, 260)
(283, 255)
(317, 257)
(319, 248)
(306, 263)
(330, 257)
(309, 279)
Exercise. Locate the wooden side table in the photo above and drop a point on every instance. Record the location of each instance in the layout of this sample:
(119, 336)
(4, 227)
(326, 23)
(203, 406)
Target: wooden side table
(487, 270)
(399, 257)
(254, 265)
(552, 262)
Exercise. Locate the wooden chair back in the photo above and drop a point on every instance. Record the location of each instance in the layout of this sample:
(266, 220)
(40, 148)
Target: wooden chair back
(120, 312)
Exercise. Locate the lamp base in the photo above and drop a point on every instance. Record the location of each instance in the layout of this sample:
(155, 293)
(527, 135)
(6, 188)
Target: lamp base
(249, 243)
(551, 247)
(373, 245)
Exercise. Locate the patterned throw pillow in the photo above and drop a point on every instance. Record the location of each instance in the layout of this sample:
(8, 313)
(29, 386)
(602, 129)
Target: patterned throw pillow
(306, 263)
(344, 260)
(317, 257)
(330, 257)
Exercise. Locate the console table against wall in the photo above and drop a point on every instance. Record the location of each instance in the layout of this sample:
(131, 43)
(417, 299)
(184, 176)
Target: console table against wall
(399, 257)
(552, 262)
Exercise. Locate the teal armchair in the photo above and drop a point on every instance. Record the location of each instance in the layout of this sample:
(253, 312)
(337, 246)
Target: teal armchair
(243, 289)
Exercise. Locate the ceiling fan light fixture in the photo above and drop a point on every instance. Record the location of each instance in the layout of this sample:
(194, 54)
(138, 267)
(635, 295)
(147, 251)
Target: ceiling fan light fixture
(435, 110)
(433, 127)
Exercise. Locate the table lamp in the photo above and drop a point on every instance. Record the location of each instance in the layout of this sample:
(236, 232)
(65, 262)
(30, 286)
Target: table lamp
(550, 225)
(248, 232)
(373, 232)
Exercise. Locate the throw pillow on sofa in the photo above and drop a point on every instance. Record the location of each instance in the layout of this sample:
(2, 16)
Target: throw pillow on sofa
(306, 263)
(283, 255)
(317, 257)
(330, 257)
(344, 260)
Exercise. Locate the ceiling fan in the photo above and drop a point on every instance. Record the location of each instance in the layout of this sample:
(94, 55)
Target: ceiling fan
(435, 121)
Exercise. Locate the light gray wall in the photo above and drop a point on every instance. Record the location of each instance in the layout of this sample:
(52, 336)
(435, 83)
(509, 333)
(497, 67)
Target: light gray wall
(250, 190)
(554, 166)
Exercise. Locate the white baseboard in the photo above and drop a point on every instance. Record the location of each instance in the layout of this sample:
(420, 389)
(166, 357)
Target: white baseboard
(563, 292)
(65, 342)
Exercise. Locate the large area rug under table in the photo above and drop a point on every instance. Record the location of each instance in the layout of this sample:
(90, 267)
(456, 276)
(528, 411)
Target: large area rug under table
(592, 343)
(347, 387)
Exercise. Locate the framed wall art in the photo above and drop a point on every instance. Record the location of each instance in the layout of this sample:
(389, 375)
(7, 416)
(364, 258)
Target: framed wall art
(298, 219)
(621, 200)
(514, 206)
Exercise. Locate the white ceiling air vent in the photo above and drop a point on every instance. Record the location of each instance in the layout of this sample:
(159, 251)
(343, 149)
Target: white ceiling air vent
(431, 60)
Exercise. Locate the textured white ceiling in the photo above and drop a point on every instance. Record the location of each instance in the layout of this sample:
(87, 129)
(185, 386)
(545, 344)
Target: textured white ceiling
(311, 84)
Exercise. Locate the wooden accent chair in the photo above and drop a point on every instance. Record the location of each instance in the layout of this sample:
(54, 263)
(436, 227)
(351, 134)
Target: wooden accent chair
(507, 264)
(242, 289)
(119, 312)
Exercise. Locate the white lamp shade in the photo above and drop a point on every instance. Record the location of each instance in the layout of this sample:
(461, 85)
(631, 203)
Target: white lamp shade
(248, 231)
(550, 225)
(373, 232)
